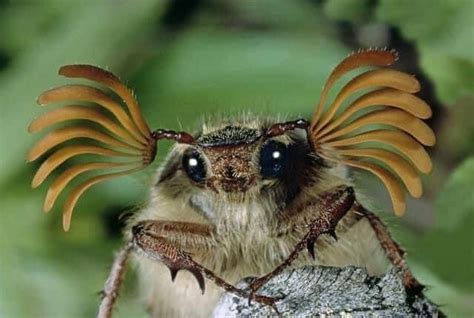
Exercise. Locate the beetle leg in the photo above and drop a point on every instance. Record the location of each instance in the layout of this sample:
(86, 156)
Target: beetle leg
(148, 242)
(332, 206)
(394, 252)
(113, 282)
(189, 236)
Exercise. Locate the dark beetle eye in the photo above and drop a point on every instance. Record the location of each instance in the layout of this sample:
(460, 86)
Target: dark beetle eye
(273, 159)
(194, 166)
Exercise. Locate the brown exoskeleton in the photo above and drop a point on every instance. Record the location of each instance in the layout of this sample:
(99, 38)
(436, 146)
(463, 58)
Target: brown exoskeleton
(244, 197)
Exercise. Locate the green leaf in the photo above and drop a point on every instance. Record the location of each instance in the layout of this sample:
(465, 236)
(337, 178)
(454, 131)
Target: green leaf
(442, 31)
(452, 302)
(455, 203)
(210, 73)
(355, 11)
(448, 250)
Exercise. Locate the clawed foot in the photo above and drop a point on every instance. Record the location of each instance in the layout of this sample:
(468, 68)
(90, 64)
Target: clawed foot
(336, 202)
(315, 230)
(267, 301)
(254, 287)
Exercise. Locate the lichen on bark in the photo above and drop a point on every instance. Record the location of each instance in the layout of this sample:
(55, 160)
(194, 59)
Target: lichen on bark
(331, 292)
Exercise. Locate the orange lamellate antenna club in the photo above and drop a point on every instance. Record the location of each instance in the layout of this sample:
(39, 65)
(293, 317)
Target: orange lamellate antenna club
(353, 61)
(108, 79)
(342, 136)
(126, 134)
(385, 112)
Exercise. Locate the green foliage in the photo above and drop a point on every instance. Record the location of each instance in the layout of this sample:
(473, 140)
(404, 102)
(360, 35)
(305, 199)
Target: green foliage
(443, 34)
(355, 11)
(456, 197)
(454, 211)
(457, 133)
(183, 77)
(441, 30)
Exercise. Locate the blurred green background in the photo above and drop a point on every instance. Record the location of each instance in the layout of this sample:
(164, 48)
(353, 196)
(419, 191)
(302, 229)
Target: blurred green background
(189, 59)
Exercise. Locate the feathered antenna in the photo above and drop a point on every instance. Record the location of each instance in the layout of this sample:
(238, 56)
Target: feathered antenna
(128, 135)
(343, 137)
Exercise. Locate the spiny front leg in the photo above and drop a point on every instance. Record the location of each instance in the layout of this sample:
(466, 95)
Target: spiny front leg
(394, 252)
(328, 209)
(147, 241)
(189, 236)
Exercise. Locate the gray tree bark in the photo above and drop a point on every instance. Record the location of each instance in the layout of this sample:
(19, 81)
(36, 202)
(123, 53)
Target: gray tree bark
(331, 292)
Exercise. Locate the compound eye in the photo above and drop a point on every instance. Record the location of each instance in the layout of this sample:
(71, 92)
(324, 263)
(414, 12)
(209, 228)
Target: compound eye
(273, 159)
(194, 166)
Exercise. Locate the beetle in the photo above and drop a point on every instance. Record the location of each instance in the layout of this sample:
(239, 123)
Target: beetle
(245, 196)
